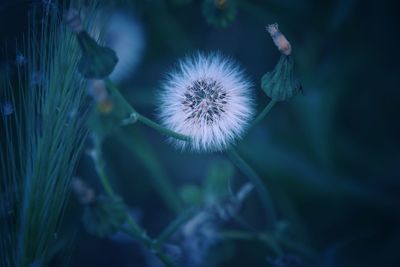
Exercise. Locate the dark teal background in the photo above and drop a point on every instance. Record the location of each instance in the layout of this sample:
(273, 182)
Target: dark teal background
(330, 157)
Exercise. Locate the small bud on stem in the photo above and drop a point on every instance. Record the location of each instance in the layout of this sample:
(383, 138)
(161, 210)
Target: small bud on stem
(279, 39)
(74, 21)
(83, 192)
(97, 89)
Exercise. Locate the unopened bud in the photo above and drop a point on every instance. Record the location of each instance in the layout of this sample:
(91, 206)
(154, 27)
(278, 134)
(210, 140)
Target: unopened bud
(73, 20)
(83, 192)
(279, 39)
(97, 89)
(105, 106)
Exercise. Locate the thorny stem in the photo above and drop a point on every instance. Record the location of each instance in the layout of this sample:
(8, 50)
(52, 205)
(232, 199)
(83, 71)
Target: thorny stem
(264, 112)
(143, 119)
(134, 230)
(264, 195)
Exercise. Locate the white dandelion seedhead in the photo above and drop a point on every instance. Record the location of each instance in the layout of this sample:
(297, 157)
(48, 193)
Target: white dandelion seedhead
(208, 99)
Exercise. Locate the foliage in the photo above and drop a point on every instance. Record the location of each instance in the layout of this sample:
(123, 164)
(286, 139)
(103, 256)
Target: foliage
(42, 143)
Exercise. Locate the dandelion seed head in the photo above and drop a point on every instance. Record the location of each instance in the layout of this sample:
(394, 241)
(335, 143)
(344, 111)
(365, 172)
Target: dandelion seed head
(208, 99)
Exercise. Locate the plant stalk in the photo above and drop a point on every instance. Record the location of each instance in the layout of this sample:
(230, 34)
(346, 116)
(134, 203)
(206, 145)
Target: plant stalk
(262, 191)
(264, 112)
(143, 119)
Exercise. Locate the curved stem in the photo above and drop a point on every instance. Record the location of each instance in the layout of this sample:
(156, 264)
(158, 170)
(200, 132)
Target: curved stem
(262, 237)
(143, 119)
(174, 226)
(263, 193)
(100, 167)
(161, 129)
(264, 112)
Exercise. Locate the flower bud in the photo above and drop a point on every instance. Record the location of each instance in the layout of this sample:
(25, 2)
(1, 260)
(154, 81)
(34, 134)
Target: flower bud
(281, 83)
(97, 89)
(96, 61)
(279, 39)
(73, 20)
(83, 192)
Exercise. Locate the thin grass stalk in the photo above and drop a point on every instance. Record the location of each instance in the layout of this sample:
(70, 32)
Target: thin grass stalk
(43, 143)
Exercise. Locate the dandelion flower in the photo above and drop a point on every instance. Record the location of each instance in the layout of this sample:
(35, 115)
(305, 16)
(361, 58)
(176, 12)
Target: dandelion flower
(208, 99)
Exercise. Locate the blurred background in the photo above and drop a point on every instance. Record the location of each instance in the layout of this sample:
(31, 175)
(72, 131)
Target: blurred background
(329, 157)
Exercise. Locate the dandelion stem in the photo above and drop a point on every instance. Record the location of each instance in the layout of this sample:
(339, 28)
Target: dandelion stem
(264, 112)
(161, 129)
(143, 119)
(174, 226)
(264, 195)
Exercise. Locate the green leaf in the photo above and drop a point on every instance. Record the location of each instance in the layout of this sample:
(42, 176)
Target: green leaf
(105, 216)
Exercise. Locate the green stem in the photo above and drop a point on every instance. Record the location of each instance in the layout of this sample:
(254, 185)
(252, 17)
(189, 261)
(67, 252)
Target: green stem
(143, 119)
(100, 168)
(264, 112)
(263, 193)
(161, 129)
(174, 226)
(267, 239)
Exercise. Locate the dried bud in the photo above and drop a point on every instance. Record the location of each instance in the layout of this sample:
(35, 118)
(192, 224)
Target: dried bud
(105, 106)
(97, 89)
(279, 39)
(73, 20)
(83, 192)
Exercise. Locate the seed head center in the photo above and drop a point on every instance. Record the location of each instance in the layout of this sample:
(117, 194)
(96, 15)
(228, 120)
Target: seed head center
(204, 101)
